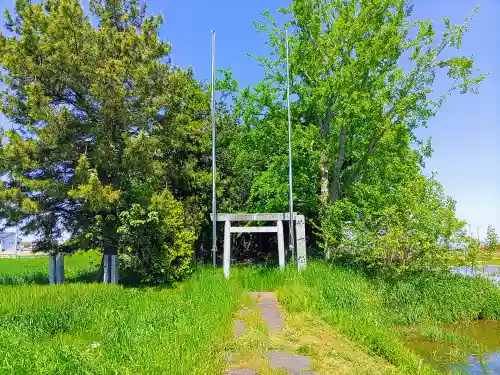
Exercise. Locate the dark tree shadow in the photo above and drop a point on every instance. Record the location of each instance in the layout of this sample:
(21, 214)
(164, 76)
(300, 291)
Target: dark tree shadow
(42, 278)
(33, 278)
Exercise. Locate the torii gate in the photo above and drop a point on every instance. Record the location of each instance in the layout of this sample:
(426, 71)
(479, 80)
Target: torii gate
(277, 217)
(278, 229)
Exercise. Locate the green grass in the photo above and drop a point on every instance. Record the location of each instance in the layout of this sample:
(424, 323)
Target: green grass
(35, 270)
(373, 312)
(103, 329)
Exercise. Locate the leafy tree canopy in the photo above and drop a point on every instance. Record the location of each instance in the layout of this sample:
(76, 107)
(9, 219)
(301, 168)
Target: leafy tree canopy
(102, 122)
(362, 76)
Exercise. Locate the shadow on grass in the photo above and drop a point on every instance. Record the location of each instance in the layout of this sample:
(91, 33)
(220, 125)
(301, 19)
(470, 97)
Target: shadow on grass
(42, 278)
(33, 278)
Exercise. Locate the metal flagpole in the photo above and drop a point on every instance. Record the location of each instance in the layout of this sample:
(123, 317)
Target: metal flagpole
(290, 222)
(214, 167)
(17, 233)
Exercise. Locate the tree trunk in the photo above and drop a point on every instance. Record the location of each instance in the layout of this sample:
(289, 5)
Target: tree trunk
(336, 183)
(324, 131)
(324, 195)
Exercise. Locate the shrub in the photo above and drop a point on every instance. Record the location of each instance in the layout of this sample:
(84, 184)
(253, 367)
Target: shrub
(407, 228)
(155, 245)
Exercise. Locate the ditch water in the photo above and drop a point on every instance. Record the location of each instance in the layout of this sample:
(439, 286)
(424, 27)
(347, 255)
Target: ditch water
(490, 272)
(443, 354)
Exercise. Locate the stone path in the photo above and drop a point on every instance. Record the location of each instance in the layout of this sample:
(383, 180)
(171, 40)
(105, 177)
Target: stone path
(272, 316)
(294, 364)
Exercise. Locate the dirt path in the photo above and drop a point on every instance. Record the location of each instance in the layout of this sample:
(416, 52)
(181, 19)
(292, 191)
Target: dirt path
(269, 310)
(269, 342)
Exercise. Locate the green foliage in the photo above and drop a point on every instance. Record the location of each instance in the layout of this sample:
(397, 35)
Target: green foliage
(355, 114)
(156, 245)
(104, 125)
(491, 239)
(408, 227)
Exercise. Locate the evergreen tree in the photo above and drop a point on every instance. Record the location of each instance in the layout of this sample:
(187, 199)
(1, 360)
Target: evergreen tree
(101, 122)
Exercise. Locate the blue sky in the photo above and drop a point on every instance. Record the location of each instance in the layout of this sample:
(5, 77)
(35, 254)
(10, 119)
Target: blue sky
(465, 133)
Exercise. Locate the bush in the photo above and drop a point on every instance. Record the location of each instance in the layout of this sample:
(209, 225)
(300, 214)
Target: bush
(155, 245)
(408, 228)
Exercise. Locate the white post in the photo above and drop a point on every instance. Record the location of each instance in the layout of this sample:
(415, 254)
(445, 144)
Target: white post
(227, 248)
(281, 245)
(105, 276)
(114, 269)
(52, 269)
(59, 268)
(301, 243)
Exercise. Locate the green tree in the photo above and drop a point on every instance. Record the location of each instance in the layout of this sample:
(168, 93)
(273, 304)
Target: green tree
(101, 123)
(348, 65)
(362, 83)
(491, 239)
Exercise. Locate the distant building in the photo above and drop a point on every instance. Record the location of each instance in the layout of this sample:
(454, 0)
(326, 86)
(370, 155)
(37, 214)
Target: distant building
(8, 241)
(27, 246)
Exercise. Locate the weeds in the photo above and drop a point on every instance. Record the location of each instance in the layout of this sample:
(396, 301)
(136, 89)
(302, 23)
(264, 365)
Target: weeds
(103, 329)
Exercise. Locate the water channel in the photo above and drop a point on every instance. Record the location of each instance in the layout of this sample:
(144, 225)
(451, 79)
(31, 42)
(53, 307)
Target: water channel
(487, 333)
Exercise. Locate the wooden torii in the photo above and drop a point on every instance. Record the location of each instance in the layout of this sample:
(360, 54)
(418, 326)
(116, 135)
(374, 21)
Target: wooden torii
(278, 229)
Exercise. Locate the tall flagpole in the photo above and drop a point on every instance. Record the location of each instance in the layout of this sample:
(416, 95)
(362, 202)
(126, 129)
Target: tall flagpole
(214, 167)
(17, 233)
(290, 222)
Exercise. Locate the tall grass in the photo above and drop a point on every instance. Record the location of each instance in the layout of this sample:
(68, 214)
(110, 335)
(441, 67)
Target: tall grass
(443, 298)
(370, 311)
(103, 329)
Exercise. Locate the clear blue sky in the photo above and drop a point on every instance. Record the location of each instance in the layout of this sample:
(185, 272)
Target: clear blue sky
(466, 132)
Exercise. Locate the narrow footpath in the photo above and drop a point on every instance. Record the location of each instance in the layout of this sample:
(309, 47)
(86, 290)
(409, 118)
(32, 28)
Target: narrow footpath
(268, 342)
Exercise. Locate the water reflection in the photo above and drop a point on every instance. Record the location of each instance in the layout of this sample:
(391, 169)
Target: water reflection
(442, 353)
(487, 333)
(490, 365)
(490, 272)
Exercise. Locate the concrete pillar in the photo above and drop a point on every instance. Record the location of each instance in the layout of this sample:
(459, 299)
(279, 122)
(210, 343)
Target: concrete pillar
(52, 269)
(59, 268)
(227, 248)
(106, 271)
(281, 244)
(114, 269)
(301, 242)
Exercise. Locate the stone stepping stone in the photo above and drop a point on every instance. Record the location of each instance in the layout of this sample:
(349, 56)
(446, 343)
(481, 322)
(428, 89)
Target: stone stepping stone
(239, 328)
(294, 364)
(270, 311)
(241, 371)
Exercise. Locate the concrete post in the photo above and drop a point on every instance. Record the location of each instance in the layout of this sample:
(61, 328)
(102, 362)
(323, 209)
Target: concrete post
(114, 269)
(301, 242)
(59, 268)
(281, 244)
(52, 269)
(106, 270)
(227, 248)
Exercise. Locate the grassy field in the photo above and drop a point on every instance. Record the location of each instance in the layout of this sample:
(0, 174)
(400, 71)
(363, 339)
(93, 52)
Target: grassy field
(35, 270)
(103, 329)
